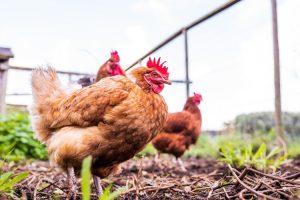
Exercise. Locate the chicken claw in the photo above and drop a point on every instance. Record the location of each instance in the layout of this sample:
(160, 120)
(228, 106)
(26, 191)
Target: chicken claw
(97, 183)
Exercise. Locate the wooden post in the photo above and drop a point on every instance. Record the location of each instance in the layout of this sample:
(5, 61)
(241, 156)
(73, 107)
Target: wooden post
(5, 55)
(278, 113)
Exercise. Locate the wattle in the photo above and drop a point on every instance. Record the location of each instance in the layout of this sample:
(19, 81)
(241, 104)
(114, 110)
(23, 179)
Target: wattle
(157, 88)
(115, 70)
(118, 71)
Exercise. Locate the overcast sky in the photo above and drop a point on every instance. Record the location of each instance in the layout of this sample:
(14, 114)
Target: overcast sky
(231, 60)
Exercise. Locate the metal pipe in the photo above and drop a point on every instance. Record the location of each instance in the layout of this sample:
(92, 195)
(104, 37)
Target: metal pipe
(58, 71)
(181, 81)
(18, 94)
(179, 32)
(163, 43)
(212, 13)
(187, 79)
(28, 94)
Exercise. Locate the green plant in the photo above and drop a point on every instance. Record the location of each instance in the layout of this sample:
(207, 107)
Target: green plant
(149, 150)
(8, 180)
(85, 178)
(206, 146)
(245, 156)
(108, 195)
(294, 148)
(85, 183)
(16, 135)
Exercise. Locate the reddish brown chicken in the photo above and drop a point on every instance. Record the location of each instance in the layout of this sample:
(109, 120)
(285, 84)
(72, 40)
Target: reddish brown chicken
(110, 68)
(110, 120)
(181, 130)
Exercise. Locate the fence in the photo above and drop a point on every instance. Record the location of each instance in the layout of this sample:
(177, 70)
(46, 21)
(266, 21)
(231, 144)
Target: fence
(4, 67)
(184, 31)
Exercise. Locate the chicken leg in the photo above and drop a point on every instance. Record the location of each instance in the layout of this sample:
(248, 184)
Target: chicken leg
(179, 162)
(71, 184)
(97, 183)
(158, 161)
(157, 157)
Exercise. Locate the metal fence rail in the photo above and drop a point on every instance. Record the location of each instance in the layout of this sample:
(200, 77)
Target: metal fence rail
(4, 67)
(70, 74)
(58, 71)
(184, 31)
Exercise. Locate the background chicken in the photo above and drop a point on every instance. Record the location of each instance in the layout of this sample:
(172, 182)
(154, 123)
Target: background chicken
(181, 130)
(110, 68)
(111, 120)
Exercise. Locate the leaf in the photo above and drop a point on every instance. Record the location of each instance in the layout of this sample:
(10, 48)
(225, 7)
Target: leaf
(19, 177)
(261, 152)
(4, 178)
(108, 195)
(106, 192)
(86, 177)
(117, 193)
(273, 152)
(15, 180)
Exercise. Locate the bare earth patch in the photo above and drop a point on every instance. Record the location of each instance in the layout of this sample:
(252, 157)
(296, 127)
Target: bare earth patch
(147, 179)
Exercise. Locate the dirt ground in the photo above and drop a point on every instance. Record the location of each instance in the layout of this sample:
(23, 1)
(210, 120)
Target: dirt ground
(145, 178)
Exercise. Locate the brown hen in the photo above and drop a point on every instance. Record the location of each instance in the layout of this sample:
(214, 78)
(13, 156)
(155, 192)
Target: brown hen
(111, 120)
(110, 68)
(181, 130)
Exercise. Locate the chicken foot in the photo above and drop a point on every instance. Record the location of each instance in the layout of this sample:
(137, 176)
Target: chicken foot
(97, 183)
(158, 161)
(180, 163)
(71, 184)
(157, 157)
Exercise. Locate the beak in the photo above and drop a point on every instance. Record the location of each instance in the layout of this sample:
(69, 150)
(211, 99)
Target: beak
(166, 81)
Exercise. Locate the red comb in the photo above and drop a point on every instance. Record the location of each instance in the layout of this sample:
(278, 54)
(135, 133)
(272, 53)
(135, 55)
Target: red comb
(158, 66)
(198, 96)
(115, 56)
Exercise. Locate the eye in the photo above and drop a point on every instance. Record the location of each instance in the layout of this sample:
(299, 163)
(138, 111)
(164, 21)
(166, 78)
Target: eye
(155, 74)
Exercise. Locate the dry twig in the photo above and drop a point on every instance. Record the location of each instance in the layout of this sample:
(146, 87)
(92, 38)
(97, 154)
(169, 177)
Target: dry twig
(249, 188)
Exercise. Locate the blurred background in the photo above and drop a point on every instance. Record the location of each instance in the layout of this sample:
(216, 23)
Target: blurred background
(230, 55)
(228, 58)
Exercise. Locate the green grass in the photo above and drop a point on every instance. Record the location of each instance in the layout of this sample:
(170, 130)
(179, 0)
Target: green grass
(242, 155)
(149, 150)
(294, 148)
(206, 146)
